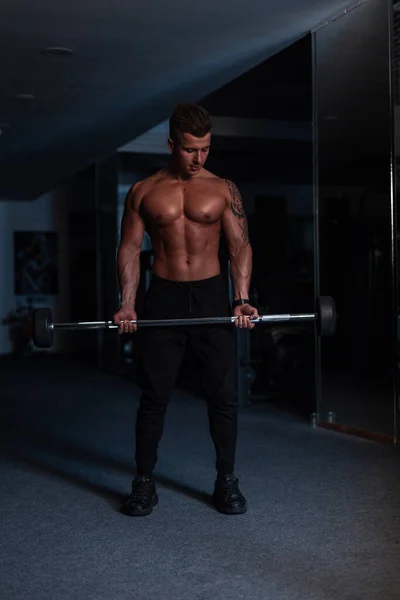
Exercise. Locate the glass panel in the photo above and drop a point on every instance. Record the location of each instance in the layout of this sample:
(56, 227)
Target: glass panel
(354, 201)
(396, 136)
(265, 147)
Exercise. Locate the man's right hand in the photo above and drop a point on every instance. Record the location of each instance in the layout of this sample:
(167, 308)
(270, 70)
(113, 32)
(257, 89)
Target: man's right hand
(123, 319)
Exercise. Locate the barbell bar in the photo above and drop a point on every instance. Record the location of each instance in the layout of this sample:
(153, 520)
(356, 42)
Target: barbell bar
(44, 327)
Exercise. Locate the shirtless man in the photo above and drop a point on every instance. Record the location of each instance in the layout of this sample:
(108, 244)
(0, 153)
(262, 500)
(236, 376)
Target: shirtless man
(183, 209)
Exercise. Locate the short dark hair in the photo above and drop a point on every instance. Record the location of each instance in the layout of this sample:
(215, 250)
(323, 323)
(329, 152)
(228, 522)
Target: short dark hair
(189, 118)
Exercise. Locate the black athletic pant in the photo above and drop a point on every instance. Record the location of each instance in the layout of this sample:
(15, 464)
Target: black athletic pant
(162, 350)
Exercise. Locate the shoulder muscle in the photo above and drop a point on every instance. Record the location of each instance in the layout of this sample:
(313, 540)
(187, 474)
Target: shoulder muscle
(134, 198)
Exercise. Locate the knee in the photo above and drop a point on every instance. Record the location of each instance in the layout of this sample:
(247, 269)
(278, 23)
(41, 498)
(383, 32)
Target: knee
(223, 404)
(153, 403)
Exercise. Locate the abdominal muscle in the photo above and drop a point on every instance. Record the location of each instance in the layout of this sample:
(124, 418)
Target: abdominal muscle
(186, 251)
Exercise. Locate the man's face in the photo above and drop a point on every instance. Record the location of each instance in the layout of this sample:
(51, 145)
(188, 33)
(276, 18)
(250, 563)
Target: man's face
(190, 152)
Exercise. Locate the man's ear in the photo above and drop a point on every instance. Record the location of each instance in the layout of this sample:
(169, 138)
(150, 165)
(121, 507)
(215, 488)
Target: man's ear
(171, 144)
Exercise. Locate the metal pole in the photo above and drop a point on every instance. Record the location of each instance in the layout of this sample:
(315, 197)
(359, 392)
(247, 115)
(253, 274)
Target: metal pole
(189, 322)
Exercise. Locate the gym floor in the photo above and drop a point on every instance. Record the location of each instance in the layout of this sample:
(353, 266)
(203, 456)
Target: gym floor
(323, 520)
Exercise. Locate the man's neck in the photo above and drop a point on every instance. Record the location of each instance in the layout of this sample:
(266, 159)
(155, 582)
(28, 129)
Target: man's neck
(174, 172)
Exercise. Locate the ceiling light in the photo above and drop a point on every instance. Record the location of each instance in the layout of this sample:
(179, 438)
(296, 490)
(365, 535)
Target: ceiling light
(24, 96)
(57, 52)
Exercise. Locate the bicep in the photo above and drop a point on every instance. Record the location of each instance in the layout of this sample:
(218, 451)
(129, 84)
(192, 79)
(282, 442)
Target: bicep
(132, 224)
(234, 221)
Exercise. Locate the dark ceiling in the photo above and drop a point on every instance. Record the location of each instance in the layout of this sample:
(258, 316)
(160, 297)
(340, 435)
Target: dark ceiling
(279, 88)
(130, 63)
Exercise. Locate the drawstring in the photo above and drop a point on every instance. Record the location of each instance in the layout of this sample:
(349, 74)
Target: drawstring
(196, 298)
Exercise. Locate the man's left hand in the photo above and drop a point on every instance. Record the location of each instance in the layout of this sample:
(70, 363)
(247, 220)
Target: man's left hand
(245, 312)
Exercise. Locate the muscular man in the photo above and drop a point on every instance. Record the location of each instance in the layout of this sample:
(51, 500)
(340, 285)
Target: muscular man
(183, 209)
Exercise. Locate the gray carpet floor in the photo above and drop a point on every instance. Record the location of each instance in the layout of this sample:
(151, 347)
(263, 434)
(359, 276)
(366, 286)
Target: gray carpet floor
(323, 520)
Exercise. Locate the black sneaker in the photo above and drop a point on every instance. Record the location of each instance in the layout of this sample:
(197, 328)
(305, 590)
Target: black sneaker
(142, 499)
(227, 497)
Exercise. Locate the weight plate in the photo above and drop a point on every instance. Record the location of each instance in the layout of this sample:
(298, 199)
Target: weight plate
(43, 333)
(326, 315)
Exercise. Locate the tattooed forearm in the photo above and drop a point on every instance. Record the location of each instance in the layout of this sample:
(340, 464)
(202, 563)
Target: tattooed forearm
(238, 211)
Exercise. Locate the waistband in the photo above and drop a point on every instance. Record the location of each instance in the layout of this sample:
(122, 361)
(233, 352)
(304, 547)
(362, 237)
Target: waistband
(188, 283)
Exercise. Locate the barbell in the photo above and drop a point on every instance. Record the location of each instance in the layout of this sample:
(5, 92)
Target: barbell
(324, 318)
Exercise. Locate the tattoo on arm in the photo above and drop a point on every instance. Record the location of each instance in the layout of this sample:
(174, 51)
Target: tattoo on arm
(238, 211)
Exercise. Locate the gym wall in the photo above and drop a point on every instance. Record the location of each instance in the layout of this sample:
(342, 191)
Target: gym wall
(46, 214)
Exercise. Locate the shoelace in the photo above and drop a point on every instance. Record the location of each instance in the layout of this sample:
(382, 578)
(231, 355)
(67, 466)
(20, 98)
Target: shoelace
(232, 491)
(140, 490)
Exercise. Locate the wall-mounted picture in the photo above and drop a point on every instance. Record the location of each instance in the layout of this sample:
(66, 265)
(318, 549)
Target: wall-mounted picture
(35, 262)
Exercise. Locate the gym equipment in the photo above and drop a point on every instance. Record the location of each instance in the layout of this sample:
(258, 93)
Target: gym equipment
(324, 317)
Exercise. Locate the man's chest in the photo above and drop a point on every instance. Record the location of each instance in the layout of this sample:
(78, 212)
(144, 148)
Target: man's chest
(202, 204)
